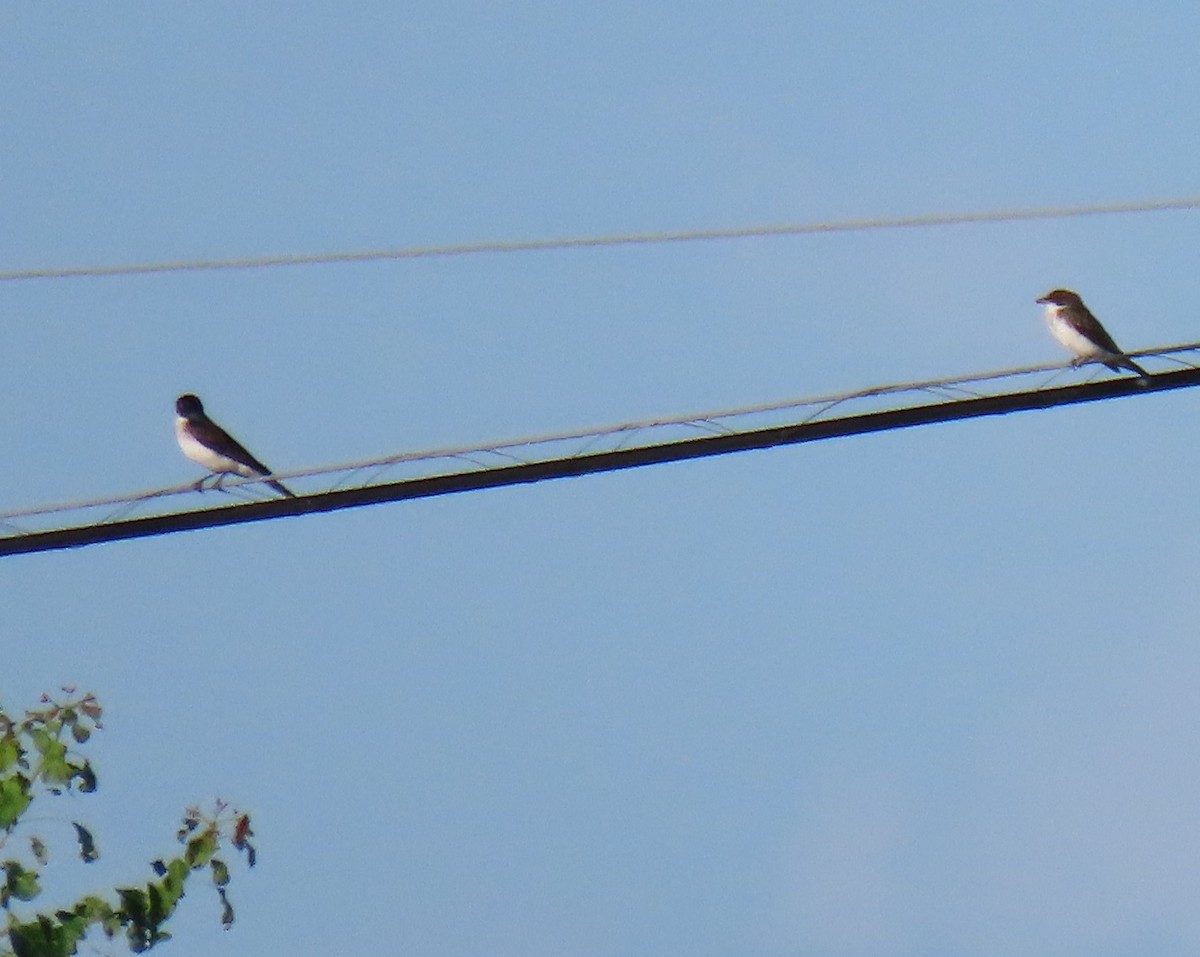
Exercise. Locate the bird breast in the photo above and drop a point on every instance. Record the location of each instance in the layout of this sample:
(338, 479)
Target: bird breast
(201, 454)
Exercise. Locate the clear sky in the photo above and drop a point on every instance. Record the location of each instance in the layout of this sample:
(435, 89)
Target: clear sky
(920, 693)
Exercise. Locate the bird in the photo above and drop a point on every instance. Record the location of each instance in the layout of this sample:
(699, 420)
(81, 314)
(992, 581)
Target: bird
(207, 444)
(1073, 324)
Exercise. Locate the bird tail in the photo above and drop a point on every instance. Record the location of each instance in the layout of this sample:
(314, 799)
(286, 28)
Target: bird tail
(1124, 362)
(281, 489)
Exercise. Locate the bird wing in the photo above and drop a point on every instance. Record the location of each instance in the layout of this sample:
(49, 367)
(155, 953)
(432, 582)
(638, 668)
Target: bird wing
(1087, 325)
(221, 442)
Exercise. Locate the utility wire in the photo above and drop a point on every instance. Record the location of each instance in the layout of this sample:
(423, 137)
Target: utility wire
(810, 429)
(585, 242)
(518, 449)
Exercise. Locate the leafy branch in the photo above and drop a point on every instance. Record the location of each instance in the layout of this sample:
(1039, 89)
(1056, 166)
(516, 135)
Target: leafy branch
(38, 759)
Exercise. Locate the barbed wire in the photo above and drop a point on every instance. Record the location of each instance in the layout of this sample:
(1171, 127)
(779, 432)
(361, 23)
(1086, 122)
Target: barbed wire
(584, 242)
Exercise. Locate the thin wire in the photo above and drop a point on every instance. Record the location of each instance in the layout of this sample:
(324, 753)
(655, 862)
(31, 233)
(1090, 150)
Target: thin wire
(586, 242)
(601, 432)
(702, 421)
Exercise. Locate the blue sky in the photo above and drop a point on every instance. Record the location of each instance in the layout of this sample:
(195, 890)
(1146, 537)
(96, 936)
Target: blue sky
(919, 693)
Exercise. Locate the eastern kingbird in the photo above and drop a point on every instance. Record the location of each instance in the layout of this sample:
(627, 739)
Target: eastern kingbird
(207, 444)
(1076, 328)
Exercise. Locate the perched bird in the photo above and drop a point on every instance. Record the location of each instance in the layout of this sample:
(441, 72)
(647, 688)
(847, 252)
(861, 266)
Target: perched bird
(1073, 324)
(207, 444)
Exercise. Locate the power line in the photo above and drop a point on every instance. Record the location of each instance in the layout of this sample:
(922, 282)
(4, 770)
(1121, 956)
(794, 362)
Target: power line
(585, 242)
(810, 429)
(577, 441)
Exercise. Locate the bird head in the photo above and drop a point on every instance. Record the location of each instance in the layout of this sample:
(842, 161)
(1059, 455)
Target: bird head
(189, 407)
(1061, 297)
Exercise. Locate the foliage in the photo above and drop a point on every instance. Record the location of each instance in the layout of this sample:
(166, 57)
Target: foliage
(38, 759)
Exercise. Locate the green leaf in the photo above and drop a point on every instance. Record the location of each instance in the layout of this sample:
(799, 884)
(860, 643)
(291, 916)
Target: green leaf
(160, 905)
(200, 849)
(56, 769)
(10, 751)
(220, 872)
(72, 929)
(177, 874)
(20, 882)
(14, 799)
(38, 847)
(44, 938)
(111, 924)
(87, 846)
(94, 908)
(166, 894)
(133, 903)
